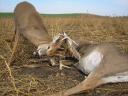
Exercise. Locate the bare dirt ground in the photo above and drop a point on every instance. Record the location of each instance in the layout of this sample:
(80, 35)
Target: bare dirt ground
(19, 81)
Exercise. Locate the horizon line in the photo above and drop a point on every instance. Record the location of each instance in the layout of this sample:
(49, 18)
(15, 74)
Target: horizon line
(113, 15)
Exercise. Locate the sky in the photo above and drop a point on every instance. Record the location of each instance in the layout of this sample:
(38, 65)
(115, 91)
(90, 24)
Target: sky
(99, 7)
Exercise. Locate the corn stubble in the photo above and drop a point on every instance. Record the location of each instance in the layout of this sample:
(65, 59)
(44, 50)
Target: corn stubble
(18, 81)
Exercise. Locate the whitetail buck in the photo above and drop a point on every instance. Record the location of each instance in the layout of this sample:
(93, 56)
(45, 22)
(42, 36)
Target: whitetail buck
(29, 23)
(104, 64)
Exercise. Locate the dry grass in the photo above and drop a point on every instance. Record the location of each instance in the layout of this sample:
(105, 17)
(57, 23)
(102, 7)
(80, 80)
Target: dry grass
(42, 81)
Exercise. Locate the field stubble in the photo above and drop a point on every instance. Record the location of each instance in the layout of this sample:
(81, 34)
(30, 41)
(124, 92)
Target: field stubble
(42, 81)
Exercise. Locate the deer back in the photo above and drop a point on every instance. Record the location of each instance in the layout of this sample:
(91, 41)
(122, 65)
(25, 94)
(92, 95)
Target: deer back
(29, 23)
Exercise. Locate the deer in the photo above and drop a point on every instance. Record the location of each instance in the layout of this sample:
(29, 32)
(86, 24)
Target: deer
(29, 24)
(103, 63)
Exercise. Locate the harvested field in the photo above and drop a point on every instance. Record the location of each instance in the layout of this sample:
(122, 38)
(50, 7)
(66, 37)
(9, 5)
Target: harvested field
(19, 81)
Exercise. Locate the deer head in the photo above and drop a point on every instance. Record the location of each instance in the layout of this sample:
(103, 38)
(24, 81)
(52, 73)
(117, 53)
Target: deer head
(63, 45)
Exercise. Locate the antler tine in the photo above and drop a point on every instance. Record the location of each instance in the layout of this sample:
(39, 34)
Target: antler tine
(70, 39)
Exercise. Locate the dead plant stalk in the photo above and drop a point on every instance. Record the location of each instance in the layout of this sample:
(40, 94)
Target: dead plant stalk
(10, 74)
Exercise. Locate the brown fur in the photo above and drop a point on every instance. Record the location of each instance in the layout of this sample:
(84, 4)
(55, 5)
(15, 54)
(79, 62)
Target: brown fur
(113, 62)
(29, 23)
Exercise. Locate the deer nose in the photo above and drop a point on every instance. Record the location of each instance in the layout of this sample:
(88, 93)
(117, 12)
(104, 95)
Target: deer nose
(36, 55)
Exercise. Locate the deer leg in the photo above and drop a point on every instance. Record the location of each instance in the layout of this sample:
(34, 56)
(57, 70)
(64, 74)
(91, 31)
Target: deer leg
(120, 77)
(13, 38)
(92, 81)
